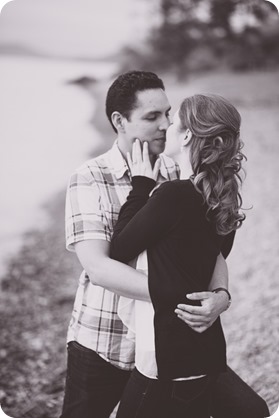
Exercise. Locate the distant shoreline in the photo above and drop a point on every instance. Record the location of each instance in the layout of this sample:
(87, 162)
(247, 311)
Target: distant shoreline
(54, 126)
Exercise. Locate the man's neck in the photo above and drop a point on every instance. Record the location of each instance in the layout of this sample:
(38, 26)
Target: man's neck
(124, 148)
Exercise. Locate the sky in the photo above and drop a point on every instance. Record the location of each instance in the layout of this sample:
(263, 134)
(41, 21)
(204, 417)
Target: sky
(79, 28)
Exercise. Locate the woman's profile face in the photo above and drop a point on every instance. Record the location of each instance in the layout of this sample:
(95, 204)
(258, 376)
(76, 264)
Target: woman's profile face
(174, 137)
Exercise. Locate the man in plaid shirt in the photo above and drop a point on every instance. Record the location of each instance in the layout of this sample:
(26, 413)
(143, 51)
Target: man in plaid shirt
(100, 356)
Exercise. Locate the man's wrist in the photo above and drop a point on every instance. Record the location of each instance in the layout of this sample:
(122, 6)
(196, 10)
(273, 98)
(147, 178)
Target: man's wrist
(224, 290)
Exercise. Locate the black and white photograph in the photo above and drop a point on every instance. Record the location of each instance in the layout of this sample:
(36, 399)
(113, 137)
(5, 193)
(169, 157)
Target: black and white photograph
(140, 209)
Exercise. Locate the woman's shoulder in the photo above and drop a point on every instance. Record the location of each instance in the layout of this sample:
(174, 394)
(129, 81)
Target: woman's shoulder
(177, 188)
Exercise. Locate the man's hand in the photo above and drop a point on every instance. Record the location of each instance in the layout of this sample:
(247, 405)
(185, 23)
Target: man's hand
(200, 318)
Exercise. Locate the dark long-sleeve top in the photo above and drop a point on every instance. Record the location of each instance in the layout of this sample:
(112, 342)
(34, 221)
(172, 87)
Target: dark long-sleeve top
(182, 248)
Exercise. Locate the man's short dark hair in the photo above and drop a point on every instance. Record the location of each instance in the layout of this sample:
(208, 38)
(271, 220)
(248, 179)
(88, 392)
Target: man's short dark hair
(121, 96)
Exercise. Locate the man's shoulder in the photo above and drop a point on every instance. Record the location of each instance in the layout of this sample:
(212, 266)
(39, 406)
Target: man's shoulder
(94, 165)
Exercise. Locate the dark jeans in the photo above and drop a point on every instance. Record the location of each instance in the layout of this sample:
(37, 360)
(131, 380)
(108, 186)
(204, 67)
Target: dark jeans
(94, 387)
(150, 398)
(233, 398)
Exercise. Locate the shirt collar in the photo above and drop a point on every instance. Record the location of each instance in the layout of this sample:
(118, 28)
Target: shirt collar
(118, 162)
(120, 166)
(163, 167)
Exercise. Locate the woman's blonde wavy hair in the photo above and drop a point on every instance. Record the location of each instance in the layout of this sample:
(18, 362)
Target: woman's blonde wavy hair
(216, 157)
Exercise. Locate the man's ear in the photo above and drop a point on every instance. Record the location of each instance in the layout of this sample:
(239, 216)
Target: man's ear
(187, 138)
(118, 122)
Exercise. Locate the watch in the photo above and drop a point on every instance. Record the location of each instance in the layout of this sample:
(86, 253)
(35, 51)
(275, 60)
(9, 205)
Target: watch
(223, 289)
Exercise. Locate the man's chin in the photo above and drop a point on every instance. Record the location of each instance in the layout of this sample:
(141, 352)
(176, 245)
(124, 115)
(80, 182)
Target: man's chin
(157, 148)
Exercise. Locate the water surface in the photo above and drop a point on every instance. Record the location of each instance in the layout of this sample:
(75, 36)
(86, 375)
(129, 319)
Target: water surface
(45, 133)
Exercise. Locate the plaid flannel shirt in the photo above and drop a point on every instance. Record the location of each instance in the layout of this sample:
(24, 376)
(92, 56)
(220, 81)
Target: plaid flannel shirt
(95, 194)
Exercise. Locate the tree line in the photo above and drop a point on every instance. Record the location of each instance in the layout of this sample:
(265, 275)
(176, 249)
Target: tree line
(198, 35)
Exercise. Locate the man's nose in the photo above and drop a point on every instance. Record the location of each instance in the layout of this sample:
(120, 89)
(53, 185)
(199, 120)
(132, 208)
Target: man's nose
(165, 123)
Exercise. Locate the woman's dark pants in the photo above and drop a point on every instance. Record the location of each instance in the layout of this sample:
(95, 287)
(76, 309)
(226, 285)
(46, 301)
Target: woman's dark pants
(151, 398)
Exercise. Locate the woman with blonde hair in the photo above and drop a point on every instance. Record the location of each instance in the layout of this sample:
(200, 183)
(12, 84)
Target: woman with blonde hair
(183, 225)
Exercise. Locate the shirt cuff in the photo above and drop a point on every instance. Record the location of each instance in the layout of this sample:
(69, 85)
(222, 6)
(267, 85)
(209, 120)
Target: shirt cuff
(143, 185)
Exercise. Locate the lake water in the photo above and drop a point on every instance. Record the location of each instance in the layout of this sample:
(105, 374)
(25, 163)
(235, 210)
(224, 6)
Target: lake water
(45, 133)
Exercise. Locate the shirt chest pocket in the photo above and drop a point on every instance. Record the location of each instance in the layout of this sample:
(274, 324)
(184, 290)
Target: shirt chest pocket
(111, 213)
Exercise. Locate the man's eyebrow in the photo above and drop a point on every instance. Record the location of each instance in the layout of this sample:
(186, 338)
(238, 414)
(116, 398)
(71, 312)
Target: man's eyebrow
(151, 112)
(156, 111)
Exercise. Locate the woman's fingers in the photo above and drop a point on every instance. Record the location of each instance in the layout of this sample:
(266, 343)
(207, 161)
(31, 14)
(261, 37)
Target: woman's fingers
(139, 163)
(133, 152)
(145, 154)
(137, 152)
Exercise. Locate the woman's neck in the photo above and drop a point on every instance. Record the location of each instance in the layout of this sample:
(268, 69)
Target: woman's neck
(182, 160)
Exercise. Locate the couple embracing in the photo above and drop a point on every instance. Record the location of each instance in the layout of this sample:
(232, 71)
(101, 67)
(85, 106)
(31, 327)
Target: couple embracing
(152, 221)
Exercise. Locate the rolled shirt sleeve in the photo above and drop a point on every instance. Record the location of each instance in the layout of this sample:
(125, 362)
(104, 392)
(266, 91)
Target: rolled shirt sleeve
(86, 216)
